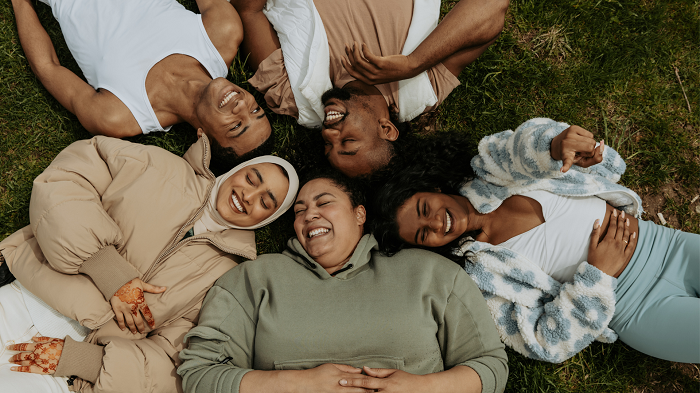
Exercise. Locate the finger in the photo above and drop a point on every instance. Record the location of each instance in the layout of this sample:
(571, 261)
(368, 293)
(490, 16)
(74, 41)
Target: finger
(364, 382)
(568, 162)
(612, 225)
(595, 236)
(348, 53)
(632, 244)
(129, 320)
(378, 372)
(42, 339)
(138, 321)
(581, 131)
(21, 347)
(367, 53)
(626, 232)
(347, 369)
(120, 320)
(620, 226)
(22, 369)
(147, 315)
(357, 52)
(20, 357)
(152, 288)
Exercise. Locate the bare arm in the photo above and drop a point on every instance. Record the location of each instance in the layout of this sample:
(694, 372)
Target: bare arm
(260, 39)
(462, 36)
(223, 26)
(98, 112)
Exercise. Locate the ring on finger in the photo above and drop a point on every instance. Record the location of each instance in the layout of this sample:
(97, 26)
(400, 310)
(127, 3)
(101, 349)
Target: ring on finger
(625, 241)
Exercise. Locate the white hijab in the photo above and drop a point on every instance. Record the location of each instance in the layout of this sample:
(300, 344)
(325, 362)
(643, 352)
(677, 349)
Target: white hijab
(211, 220)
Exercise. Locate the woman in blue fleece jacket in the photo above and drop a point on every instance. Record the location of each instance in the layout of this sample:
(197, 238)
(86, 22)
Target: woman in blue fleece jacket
(559, 264)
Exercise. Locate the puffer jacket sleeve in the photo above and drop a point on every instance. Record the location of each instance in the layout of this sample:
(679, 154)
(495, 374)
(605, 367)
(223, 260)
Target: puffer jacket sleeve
(220, 349)
(523, 155)
(537, 316)
(145, 365)
(70, 223)
(468, 337)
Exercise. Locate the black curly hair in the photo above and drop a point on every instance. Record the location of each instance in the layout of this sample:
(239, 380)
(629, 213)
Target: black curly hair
(440, 163)
(223, 159)
(353, 188)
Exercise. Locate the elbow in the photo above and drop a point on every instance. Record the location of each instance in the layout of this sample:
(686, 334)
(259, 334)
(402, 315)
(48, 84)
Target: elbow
(113, 125)
(494, 23)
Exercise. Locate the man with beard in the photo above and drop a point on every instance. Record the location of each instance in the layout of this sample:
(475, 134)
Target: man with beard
(368, 58)
(149, 65)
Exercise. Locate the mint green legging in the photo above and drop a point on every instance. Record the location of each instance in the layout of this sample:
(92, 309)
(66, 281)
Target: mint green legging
(658, 306)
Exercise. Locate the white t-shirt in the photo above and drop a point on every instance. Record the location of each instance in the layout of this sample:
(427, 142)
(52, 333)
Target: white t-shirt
(560, 244)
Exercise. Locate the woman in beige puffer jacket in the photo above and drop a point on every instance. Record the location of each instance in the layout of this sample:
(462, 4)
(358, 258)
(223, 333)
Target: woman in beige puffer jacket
(104, 213)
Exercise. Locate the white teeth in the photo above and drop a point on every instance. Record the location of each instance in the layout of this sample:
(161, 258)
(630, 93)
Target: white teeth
(237, 203)
(318, 231)
(227, 98)
(333, 115)
(448, 225)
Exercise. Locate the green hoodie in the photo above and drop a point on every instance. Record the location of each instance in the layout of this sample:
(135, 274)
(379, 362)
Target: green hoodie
(416, 311)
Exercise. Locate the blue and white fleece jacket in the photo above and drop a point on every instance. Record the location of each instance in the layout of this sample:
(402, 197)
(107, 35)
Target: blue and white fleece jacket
(536, 315)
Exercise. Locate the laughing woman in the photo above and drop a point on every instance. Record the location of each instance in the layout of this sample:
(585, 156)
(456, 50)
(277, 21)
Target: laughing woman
(123, 233)
(558, 263)
(330, 308)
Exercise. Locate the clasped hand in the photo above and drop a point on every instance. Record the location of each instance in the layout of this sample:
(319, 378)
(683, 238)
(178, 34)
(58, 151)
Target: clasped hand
(128, 301)
(364, 66)
(575, 145)
(347, 379)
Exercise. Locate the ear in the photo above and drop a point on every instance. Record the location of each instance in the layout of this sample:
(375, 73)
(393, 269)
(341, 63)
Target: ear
(360, 215)
(200, 132)
(388, 130)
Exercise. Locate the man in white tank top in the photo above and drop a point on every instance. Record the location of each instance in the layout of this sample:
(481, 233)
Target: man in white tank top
(149, 65)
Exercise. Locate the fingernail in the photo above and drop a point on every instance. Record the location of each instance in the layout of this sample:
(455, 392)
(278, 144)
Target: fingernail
(627, 222)
(623, 214)
(614, 213)
(343, 382)
(14, 368)
(595, 224)
(634, 234)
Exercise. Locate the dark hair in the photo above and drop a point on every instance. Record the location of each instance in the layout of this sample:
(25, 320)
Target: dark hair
(5, 276)
(353, 188)
(443, 165)
(223, 159)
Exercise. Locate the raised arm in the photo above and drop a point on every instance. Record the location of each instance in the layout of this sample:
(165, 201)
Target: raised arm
(223, 26)
(99, 112)
(260, 38)
(462, 36)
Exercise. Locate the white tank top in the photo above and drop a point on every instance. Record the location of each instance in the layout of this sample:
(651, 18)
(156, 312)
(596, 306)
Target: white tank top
(116, 43)
(560, 244)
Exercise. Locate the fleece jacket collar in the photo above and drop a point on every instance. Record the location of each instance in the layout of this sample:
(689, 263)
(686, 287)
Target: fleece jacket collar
(357, 263)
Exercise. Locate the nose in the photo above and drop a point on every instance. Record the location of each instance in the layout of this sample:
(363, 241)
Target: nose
(311, 214)
(435, 223)
(239, 107)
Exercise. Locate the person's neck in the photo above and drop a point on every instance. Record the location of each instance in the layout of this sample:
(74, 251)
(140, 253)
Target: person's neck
(174, 89)
(476, 221)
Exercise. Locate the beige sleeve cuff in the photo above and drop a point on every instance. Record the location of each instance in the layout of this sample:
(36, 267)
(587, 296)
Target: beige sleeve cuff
(108, 270)
(81, 359)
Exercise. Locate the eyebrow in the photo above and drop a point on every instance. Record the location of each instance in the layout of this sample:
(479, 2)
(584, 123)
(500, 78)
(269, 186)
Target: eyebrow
(317, 197)
(272, 196)
(248, 126)
(257, 173)
(415, 239)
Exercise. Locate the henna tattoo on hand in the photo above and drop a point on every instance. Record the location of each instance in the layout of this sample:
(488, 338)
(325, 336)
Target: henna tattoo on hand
(40, 358)
(132, 296)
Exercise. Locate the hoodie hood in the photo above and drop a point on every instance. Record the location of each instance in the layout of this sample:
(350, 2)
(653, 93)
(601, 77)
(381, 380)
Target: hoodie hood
(358, 261)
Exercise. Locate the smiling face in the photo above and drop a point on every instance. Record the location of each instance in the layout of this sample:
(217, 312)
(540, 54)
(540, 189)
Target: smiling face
(231, 115)
(433, 219)
(252, 194)
(357, 133)
(327, 225)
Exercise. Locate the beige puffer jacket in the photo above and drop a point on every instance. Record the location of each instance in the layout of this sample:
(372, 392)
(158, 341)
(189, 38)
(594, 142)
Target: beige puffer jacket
(104, 212)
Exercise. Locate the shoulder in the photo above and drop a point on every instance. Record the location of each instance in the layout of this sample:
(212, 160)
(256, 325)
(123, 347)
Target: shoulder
(416, 261)
(259, 270)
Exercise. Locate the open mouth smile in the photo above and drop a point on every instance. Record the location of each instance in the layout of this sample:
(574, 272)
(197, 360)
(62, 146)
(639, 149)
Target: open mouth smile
(227, 98)
(236, 204)
(317, 232)
(448, 222)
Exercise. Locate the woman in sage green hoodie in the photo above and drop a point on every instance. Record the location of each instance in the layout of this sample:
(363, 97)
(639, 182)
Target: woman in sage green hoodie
(332, 314)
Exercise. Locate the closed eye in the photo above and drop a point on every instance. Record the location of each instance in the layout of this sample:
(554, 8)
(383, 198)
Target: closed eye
(262, 202)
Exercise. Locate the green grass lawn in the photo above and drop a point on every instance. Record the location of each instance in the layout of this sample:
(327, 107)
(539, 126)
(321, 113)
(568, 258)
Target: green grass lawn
(606, 65)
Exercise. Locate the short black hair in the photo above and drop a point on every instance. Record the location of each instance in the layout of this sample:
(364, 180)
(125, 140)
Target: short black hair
(223, 159)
